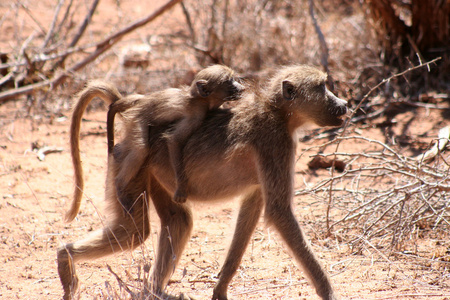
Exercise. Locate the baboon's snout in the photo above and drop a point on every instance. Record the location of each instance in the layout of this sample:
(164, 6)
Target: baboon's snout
(339, 104)
(341, 107)
(239, 88)
(236, 91)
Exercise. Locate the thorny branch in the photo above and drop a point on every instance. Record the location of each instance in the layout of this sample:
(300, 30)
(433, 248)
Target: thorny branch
(384, 195)
(350, 120)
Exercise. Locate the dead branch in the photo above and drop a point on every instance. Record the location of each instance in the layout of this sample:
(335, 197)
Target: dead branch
(366, 96)
(187, 16)
(444, 135)
(52, 25)
(383, 193)
(323, 44)
(43, 57)
(384, 81)
(101, 47)
(65, 17)
(80, 32)
(32, 17)
(42, 152)
(121, 282)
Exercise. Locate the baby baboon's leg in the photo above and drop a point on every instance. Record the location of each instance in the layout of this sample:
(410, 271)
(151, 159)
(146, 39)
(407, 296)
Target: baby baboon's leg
(129, 159)
(126, 231)
(176, 226)
(176, 142)
(284, 221)
(248, 218)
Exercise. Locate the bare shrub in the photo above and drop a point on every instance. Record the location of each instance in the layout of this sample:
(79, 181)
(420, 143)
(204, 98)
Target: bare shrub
(249, 35)
(384, 197)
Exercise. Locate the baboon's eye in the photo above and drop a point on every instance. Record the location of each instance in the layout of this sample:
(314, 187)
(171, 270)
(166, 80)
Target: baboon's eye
(288, 90)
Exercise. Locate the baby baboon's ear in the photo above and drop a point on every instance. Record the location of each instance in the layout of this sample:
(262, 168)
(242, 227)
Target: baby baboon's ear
(288, 90)
(202, 88)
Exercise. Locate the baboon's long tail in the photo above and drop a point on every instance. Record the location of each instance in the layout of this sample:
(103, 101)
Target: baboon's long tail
(107, 93)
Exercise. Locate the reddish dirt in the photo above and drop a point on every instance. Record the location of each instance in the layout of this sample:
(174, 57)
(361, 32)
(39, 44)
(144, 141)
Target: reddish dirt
(34, 196)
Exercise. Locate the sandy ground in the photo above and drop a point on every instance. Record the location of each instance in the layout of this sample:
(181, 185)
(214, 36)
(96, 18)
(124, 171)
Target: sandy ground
(35, 195)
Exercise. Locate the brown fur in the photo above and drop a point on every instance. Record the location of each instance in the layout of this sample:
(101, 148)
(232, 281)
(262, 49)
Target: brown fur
(248, 151)
(107, 93)
(187, 107)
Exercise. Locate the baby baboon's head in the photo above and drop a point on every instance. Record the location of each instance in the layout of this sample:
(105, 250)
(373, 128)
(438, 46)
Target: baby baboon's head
(216, 84)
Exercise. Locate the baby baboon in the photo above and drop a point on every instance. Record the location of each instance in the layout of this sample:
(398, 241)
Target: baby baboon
(248, 150)
(187, 107)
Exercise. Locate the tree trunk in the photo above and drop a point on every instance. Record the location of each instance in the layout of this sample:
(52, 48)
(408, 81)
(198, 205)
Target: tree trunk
(430, 28)
(428, 34)
(390, 28)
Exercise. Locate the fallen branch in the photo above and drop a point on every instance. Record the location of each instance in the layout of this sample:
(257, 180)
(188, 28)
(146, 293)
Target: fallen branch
(80, 32)
(42, 152)
(383, 196)
(444, 135)
(101, 47)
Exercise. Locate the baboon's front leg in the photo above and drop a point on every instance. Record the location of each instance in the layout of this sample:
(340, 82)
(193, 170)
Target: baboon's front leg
(284, 221)
(248, 218)
(176, 226)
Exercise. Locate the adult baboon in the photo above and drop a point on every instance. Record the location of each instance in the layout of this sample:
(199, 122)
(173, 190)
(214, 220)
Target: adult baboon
(187, 106)
(248, 150)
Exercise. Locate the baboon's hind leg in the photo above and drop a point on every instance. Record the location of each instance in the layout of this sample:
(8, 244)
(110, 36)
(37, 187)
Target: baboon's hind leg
(125, 232)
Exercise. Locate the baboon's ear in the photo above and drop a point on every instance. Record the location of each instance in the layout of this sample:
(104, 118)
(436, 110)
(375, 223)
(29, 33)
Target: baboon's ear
(288, 90)
(202, 88)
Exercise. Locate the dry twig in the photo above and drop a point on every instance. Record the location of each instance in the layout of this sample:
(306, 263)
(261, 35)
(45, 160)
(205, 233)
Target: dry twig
(100, 48)
(384, 195)
(80, 32)
(122, 284)
(350, 120)
(323, 45)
